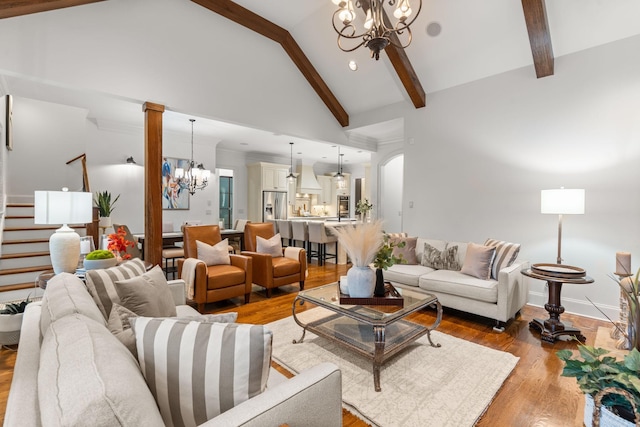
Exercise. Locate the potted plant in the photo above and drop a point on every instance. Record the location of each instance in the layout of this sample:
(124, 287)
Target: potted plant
(11, 322)
(594, 371)
(630, 287)
(363, 207)
(100, 258)
(105, 207)
(385, 259)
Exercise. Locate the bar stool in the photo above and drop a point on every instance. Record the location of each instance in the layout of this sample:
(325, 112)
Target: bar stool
(171, 254)
(284, 228)
(300, 231)
(318, 235)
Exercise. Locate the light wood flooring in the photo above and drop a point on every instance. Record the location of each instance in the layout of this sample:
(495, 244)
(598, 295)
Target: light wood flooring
(534, 394)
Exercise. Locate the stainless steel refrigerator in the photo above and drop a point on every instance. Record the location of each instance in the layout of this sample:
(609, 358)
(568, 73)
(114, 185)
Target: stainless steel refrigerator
(274, 205)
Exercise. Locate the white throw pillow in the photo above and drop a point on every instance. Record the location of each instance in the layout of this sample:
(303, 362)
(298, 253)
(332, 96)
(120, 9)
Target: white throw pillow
(272, 246)
(214, 255)
(506, 254)
(477, 262)
(203, 369)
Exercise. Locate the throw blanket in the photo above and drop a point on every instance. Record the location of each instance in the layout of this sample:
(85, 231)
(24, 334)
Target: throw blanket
(292, 252)
(189, 274)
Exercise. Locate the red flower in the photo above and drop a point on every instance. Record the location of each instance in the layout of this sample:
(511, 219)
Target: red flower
(118, 244)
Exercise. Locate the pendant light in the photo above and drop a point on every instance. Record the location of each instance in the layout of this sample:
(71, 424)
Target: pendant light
(339, 177)
(195, 177)
(291, 177)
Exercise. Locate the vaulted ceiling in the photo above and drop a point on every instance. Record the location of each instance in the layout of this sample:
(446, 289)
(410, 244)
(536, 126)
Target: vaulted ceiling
(454, 42)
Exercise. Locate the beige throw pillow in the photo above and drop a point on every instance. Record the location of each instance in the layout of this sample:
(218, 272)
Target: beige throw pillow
(408, 252)
(272, 246)
(446, 259)
(477, 262)
(147, 295)
(214, 255)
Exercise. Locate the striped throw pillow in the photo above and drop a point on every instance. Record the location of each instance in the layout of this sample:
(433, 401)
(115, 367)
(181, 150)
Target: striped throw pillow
(196, 370)
(506, 254)
(101, 283)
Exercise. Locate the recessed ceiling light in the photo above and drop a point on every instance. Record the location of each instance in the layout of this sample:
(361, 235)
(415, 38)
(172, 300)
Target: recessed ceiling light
(434, 28)
(353, 66)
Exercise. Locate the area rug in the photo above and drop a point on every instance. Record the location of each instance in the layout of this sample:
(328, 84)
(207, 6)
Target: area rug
(422, 386)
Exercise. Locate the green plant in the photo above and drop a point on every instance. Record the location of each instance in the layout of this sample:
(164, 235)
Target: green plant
(363, 206)
(100, 254)
(594, 371)
(104, 203)
(15, 307)
(384, 257)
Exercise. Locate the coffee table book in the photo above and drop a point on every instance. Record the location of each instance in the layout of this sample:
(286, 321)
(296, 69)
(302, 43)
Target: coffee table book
(391, 297)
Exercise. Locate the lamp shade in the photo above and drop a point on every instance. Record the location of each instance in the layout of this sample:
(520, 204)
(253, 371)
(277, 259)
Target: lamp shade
(562, 201)
(63, 207)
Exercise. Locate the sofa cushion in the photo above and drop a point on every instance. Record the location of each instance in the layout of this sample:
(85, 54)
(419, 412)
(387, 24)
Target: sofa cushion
(66, 294)
(101, 283)
(408, 252)
(446, 259)
(271, 246)
(460, 284)
(506, 254)
(477, 262)
(214, 255)
(223, 276)
(87, 378)
(147, 294)
(406, 273)
(285, 267)
(199, 370)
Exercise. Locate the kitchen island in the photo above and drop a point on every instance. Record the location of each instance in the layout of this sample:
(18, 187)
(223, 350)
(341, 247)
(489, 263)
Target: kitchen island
(330, 222)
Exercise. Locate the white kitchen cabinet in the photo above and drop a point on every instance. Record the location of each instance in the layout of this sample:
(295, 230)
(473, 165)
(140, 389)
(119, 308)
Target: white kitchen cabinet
(274, 178)
(324, 197)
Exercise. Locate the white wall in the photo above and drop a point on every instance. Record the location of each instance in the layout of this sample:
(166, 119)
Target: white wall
(391, 190)
(482, 152)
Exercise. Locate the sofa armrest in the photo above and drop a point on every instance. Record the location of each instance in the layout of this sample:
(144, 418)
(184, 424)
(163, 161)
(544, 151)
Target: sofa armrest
(178, 290)
(513, 290)
(312, 398)
(23, 408)
(262, 266)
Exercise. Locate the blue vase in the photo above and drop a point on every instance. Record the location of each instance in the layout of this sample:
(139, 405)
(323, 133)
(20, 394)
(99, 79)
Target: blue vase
(362, 281)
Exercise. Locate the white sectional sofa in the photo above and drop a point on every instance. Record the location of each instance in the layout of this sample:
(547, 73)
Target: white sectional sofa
(499, 299)
(71, 370)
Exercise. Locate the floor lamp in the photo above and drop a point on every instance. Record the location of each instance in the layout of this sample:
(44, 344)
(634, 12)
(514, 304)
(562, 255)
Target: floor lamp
(63, 207)
(561, 202)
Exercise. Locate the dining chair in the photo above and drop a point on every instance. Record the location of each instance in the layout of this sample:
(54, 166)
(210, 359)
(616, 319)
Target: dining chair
(273, 271)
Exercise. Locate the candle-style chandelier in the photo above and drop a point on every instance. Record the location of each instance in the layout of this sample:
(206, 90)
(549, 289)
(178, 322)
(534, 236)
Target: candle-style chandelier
(377, 29)
(194, 177)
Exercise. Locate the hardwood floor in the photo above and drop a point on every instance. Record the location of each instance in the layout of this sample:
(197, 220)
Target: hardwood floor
(534, 394)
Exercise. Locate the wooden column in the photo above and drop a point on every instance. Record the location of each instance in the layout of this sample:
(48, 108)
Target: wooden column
(153, 182)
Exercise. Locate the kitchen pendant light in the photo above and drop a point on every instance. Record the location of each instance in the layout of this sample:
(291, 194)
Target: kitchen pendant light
(339, 177)
(291, 177)
(195, 177)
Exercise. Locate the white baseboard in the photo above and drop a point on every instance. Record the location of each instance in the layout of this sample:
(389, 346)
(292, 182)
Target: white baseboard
(575, 306)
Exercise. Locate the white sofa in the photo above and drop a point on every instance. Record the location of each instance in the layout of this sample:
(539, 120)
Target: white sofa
(312, 398)
(499, 300)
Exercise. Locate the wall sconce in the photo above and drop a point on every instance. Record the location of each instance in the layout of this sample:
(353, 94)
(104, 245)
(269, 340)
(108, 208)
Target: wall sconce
(130, 161)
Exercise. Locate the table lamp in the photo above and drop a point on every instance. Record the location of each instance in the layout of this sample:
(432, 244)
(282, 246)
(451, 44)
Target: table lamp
(561, 201)
(63, 207)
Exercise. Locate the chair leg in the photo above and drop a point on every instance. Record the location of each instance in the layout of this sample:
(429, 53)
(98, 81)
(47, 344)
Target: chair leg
(268, 293)
(302, 285)
(246, 298)
(201, 307)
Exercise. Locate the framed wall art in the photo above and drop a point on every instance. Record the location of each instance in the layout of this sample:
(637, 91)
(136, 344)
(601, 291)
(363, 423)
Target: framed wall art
(174, 195)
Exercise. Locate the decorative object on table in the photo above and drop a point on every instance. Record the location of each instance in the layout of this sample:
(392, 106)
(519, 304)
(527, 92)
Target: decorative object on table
(383, 260)
(63, 207)
(623, 270)
(194, 176)
(390, 296)
(630, 290)
(105, 207)
(561, 201)
(361, 242)
(86, 246)
(555, 275)
(11, 321)
(363, 207)
(119, 244)
(596, 372)
(378, 31)
(100, 259)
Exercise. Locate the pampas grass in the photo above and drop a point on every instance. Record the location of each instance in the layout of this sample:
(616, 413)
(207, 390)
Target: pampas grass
(361, 241)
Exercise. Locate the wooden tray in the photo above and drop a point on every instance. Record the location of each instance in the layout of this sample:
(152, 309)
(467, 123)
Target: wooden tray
(391, 297)
(558, 270)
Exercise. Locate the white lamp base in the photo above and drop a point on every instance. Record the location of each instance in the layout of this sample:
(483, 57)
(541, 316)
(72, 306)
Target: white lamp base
(64, 247)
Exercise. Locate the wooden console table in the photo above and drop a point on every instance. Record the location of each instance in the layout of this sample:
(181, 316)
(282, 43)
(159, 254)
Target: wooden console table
(552, 328)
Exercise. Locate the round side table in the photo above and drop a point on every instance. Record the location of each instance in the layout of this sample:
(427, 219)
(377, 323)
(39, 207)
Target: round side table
(553, 327)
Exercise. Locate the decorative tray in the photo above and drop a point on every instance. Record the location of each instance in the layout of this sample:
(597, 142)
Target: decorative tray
(558, 270)
(391, 297)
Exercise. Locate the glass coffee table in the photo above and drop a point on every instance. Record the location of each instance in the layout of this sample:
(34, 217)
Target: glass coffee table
(377, 332)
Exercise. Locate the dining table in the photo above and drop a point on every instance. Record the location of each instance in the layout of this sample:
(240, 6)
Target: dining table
(175, 238)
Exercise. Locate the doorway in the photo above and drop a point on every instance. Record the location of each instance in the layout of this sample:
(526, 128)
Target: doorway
(226, 198)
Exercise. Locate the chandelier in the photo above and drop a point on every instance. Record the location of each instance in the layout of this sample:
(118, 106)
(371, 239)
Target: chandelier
(195, 177)
(377, 29)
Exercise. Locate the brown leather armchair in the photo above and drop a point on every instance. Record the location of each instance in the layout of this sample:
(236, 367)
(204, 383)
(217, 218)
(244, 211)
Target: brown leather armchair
(270, 272)
(215, 282)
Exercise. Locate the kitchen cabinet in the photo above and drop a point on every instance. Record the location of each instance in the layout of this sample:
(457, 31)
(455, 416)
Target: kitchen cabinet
(324, 197)
(274, 178)
(261, 177)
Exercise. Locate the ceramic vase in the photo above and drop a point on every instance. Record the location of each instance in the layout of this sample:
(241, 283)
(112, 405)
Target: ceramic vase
(379, 289)
(607, 418)
(361, 281)
(95, 264)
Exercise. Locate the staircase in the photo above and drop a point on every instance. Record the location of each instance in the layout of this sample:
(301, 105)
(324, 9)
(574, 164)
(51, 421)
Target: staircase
(25, 252)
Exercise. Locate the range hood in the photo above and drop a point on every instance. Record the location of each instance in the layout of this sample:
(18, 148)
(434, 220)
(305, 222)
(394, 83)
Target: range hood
(307, 182)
